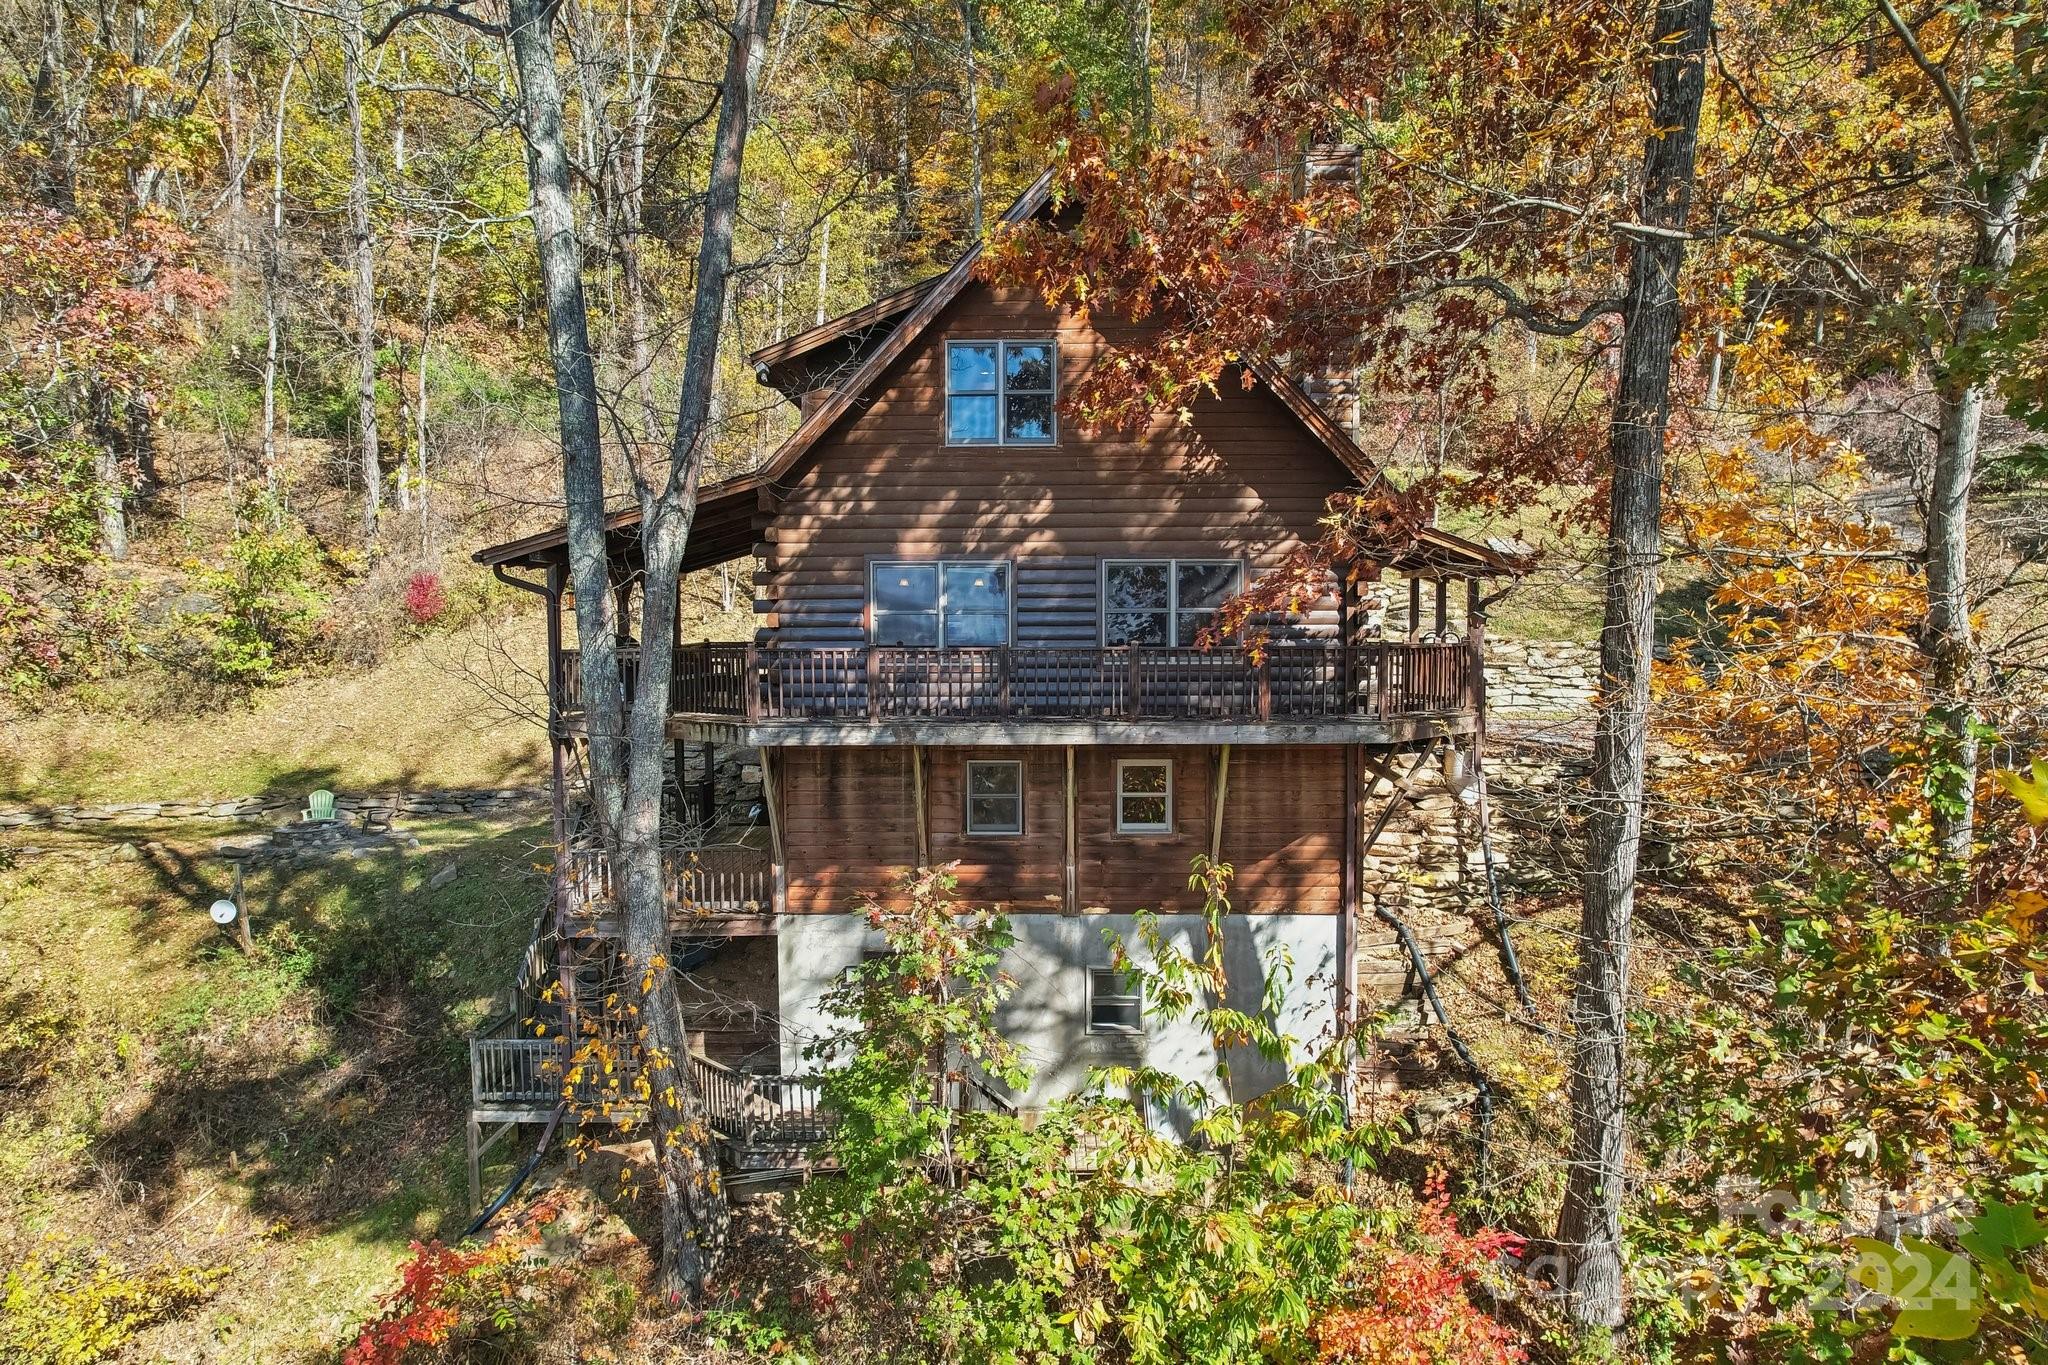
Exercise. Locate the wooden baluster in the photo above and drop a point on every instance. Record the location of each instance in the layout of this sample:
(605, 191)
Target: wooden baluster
(1265, 685)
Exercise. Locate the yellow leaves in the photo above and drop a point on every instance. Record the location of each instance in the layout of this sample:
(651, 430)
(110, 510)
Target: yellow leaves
(2032, 794)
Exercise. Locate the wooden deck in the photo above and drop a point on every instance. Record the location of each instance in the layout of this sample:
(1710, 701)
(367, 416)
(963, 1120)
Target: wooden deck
(725, 888)
(1285, 684)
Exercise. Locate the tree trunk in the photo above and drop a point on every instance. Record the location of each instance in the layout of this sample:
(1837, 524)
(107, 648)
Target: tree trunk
(972, 83)
(693, 1202)
(365, 293)
(53, 176)
(1589, 1229)
(625, 762)
(1946, 634)
(824, 264)
(113, 482)
(273, 291)
(419, 440)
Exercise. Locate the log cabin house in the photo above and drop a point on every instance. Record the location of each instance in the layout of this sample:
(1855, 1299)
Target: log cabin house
(976, 644)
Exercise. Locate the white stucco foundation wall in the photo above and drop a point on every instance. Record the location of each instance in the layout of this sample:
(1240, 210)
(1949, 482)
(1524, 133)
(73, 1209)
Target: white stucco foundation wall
(1047, 1014)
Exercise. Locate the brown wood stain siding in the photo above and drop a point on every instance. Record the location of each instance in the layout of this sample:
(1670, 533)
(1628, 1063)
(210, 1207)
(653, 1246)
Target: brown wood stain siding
(1018, 871)
(847, 825)
(1283, 829)
(1123, 873)
(848, 816)
(1243, 479)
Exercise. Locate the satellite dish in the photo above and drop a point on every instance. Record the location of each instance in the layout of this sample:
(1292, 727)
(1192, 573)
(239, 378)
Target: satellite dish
(223, 911)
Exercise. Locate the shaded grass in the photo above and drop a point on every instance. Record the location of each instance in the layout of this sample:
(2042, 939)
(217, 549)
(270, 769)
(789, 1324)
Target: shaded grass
(293, 1115)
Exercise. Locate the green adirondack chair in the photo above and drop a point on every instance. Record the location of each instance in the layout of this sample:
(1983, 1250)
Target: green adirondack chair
(320, 805)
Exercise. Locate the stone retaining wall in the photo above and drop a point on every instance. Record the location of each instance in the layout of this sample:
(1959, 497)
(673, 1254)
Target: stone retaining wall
(1540, 677)
(251, 809)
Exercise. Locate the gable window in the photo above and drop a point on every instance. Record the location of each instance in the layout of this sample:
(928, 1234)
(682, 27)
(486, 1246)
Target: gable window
(1164, 601)
(1113, 1006)
(1000, 392)
(1144, 796)
(995, 797)
(952, 604)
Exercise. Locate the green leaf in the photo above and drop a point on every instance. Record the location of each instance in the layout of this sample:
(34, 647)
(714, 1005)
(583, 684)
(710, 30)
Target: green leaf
(2003, 1228)
(1935, 1290)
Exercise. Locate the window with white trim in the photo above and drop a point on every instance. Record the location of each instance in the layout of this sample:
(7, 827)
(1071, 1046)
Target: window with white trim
(1164, 601)
(1000, 392)
(951, 604)
(1116, 1004)
(995, 796)
(1144, 796)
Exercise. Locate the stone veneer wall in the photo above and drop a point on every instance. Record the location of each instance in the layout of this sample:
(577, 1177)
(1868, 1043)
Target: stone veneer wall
(248, 809)
(1540, 677)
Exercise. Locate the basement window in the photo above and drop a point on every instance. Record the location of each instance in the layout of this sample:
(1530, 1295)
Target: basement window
(995, 797)
(1144, 796)
(1000, 392)
(1113, 1005)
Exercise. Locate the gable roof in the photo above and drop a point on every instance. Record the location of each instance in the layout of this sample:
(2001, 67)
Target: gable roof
(917, 306)
(883, 309)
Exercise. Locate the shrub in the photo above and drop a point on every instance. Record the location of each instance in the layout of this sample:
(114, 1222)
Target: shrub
(1086, 1235)
(78, 1307)
(462, 1301)
(267, 602)
(424, 598)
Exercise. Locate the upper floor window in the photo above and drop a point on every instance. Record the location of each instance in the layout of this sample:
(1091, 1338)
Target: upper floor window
(948, 604)
(1000, 392)
(1164, 601)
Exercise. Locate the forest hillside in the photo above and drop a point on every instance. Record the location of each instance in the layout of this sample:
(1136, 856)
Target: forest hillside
(1711, 1030)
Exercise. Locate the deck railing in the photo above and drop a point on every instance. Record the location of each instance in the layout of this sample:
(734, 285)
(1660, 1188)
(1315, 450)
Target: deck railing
(723, 879)
(1294, 681)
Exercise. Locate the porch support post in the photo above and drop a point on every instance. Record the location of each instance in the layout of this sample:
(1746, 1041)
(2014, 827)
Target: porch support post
(1222, 792)
(1475, 645)
(556, 739)
(1443, 607)
(771, 797)
(1351, 894)
(918, 822)
(1414, 608)
(707, 784)
(1070, 843)
(476, 1167)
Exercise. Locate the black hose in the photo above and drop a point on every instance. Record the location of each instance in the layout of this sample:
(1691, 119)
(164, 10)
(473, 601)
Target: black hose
(532, 1163)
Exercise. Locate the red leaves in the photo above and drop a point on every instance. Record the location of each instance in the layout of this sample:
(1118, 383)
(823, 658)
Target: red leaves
(1411, 1305)
(424, 599)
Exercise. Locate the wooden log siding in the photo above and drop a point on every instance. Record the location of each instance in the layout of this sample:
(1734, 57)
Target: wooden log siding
(851, 812)
(1241, 479)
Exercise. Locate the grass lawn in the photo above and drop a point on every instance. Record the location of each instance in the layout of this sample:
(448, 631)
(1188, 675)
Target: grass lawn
(456, 710)
(291, 1119)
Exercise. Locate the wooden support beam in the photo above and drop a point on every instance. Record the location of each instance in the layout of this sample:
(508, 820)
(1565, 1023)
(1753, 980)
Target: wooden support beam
(1351, 894)
(1443, 608)
(917, 789)
(1216, 804)
(1414, 607)
(1403, 789)
(1071, 843)
(771, 797)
